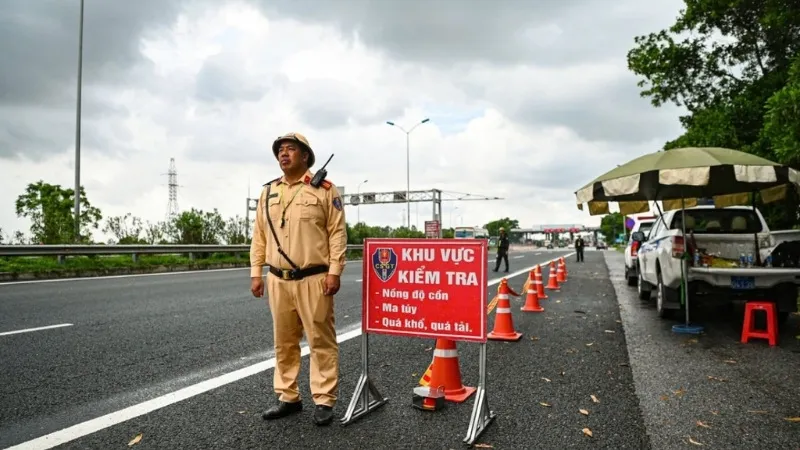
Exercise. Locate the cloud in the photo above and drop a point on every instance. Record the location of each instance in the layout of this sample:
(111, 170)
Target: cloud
(527, 101)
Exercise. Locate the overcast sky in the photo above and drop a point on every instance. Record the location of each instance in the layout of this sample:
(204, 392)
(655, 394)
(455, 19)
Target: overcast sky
(528, 100)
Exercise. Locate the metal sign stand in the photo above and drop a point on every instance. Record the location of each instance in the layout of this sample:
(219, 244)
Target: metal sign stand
(481, 416)
(367, 398)
(361, 404)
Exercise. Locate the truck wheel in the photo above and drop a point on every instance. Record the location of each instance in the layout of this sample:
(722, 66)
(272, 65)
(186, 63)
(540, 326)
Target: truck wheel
(662, 293)
(644, 290)
(632, 281)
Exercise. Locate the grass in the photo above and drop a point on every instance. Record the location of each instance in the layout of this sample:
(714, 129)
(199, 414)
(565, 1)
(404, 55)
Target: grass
(47, 264)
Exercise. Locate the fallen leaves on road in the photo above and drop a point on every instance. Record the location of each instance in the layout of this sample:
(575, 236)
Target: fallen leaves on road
(572, 350)
(594, 399)
(534, 338)
(242, 412)
(546, 379)
(692, 441)
(578, 311)
(618, 321)
(624, 365)
(546, 405)
(584, 412)
(723, 380)
(590, 344)
(610, 331)
(664, 398)
(135, 440)
(483, 446)
(558, 301)
(588, 432)
(562, 373)
(716, 413)
(730, 361)
(679, 392)
(429, 349)
(701, 424)
(793, 419)
(691, 341)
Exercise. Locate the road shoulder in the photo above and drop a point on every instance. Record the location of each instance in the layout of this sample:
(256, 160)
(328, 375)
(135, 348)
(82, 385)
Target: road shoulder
(709, 388)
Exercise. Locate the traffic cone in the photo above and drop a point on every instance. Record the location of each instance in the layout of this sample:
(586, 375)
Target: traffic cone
(566, 273)
(552, 283)
(539, 285)
(532, 299)
(503, 322)
(446, 372)
(560, 272)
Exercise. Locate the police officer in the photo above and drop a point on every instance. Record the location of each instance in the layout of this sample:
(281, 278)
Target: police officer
(579, 244)
(502, 250)
(300, 234)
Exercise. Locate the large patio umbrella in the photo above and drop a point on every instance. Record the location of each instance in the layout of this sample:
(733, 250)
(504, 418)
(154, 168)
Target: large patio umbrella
(679, 177)
(729, 176)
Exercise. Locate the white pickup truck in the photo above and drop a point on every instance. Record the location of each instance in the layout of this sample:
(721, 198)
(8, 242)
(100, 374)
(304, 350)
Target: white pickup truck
(725, 233)
(643, 224)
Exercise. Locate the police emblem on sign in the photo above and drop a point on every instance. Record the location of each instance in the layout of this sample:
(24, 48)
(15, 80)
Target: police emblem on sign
(384, 263)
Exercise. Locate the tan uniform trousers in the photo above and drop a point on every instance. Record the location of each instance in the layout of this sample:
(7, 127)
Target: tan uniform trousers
(299, 306)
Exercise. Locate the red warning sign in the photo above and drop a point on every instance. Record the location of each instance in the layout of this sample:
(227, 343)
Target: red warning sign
(430, 288)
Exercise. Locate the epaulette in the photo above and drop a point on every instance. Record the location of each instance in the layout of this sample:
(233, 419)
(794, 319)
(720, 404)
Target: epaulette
(270, 182)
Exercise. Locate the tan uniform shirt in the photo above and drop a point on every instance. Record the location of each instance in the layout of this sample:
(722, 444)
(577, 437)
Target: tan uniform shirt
(313, 234)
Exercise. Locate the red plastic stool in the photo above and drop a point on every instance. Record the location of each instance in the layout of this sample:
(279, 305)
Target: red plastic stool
(748, 331)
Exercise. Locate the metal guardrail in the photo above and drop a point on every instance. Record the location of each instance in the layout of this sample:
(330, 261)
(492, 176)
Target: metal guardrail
(62, 251)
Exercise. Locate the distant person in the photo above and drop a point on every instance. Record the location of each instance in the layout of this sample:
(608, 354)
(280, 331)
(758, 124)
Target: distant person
(300, 234)
(579, 245)
(502, 249)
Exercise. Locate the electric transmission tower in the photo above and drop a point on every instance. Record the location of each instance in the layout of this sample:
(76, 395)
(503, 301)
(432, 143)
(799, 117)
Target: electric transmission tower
(172, 206)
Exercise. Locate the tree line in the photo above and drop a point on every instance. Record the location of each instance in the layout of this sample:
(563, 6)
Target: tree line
(735, 67)
(49, 207)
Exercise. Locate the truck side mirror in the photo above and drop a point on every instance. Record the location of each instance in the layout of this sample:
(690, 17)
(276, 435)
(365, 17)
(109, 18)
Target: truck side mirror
(638, 236)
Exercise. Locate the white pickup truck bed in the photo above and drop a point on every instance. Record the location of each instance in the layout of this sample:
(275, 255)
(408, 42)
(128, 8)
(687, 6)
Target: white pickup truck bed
(660, 264)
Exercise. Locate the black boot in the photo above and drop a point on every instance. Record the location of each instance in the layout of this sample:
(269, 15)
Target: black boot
(282, 409)
(323, 415)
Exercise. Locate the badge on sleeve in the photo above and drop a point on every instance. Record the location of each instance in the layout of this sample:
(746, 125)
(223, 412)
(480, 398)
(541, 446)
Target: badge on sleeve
(337, 203)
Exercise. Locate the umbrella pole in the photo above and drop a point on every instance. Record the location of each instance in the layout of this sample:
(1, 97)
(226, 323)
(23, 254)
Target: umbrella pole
(684, 262)
(685, 328)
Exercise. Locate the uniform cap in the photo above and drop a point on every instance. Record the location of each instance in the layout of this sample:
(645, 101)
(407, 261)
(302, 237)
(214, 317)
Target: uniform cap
(295, 137)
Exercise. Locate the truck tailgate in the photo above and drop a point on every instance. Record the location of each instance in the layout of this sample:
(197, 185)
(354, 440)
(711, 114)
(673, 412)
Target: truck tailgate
(745, 278)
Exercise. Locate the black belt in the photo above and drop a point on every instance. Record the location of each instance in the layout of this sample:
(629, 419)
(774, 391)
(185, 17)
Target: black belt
(297, 274)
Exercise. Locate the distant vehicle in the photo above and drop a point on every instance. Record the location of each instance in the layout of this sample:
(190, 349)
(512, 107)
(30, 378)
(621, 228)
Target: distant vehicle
(470, 233)
(643, 224)
(601, 245)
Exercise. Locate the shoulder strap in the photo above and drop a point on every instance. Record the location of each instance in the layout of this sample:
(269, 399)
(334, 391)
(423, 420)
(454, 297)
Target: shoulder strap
(275, 235)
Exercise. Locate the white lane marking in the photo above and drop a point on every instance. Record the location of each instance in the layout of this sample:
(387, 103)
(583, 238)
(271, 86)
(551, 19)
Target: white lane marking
(82, 429)
(536, 254)
(133, 275)
(28, 330)
(359, 280)
(518, 257)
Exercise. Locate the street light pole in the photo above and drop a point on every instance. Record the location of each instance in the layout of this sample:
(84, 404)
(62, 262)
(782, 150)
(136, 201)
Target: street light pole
(358, 207)
(408, 165)
(78, 134)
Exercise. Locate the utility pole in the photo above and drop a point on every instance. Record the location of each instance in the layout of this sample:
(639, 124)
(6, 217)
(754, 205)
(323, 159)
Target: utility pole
(78, 134)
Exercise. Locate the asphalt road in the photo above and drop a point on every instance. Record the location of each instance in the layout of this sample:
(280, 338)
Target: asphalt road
(132, 339)
(710, 388)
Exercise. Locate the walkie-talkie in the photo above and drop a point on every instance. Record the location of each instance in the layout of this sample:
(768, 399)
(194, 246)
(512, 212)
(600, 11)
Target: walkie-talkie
(321, 174)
